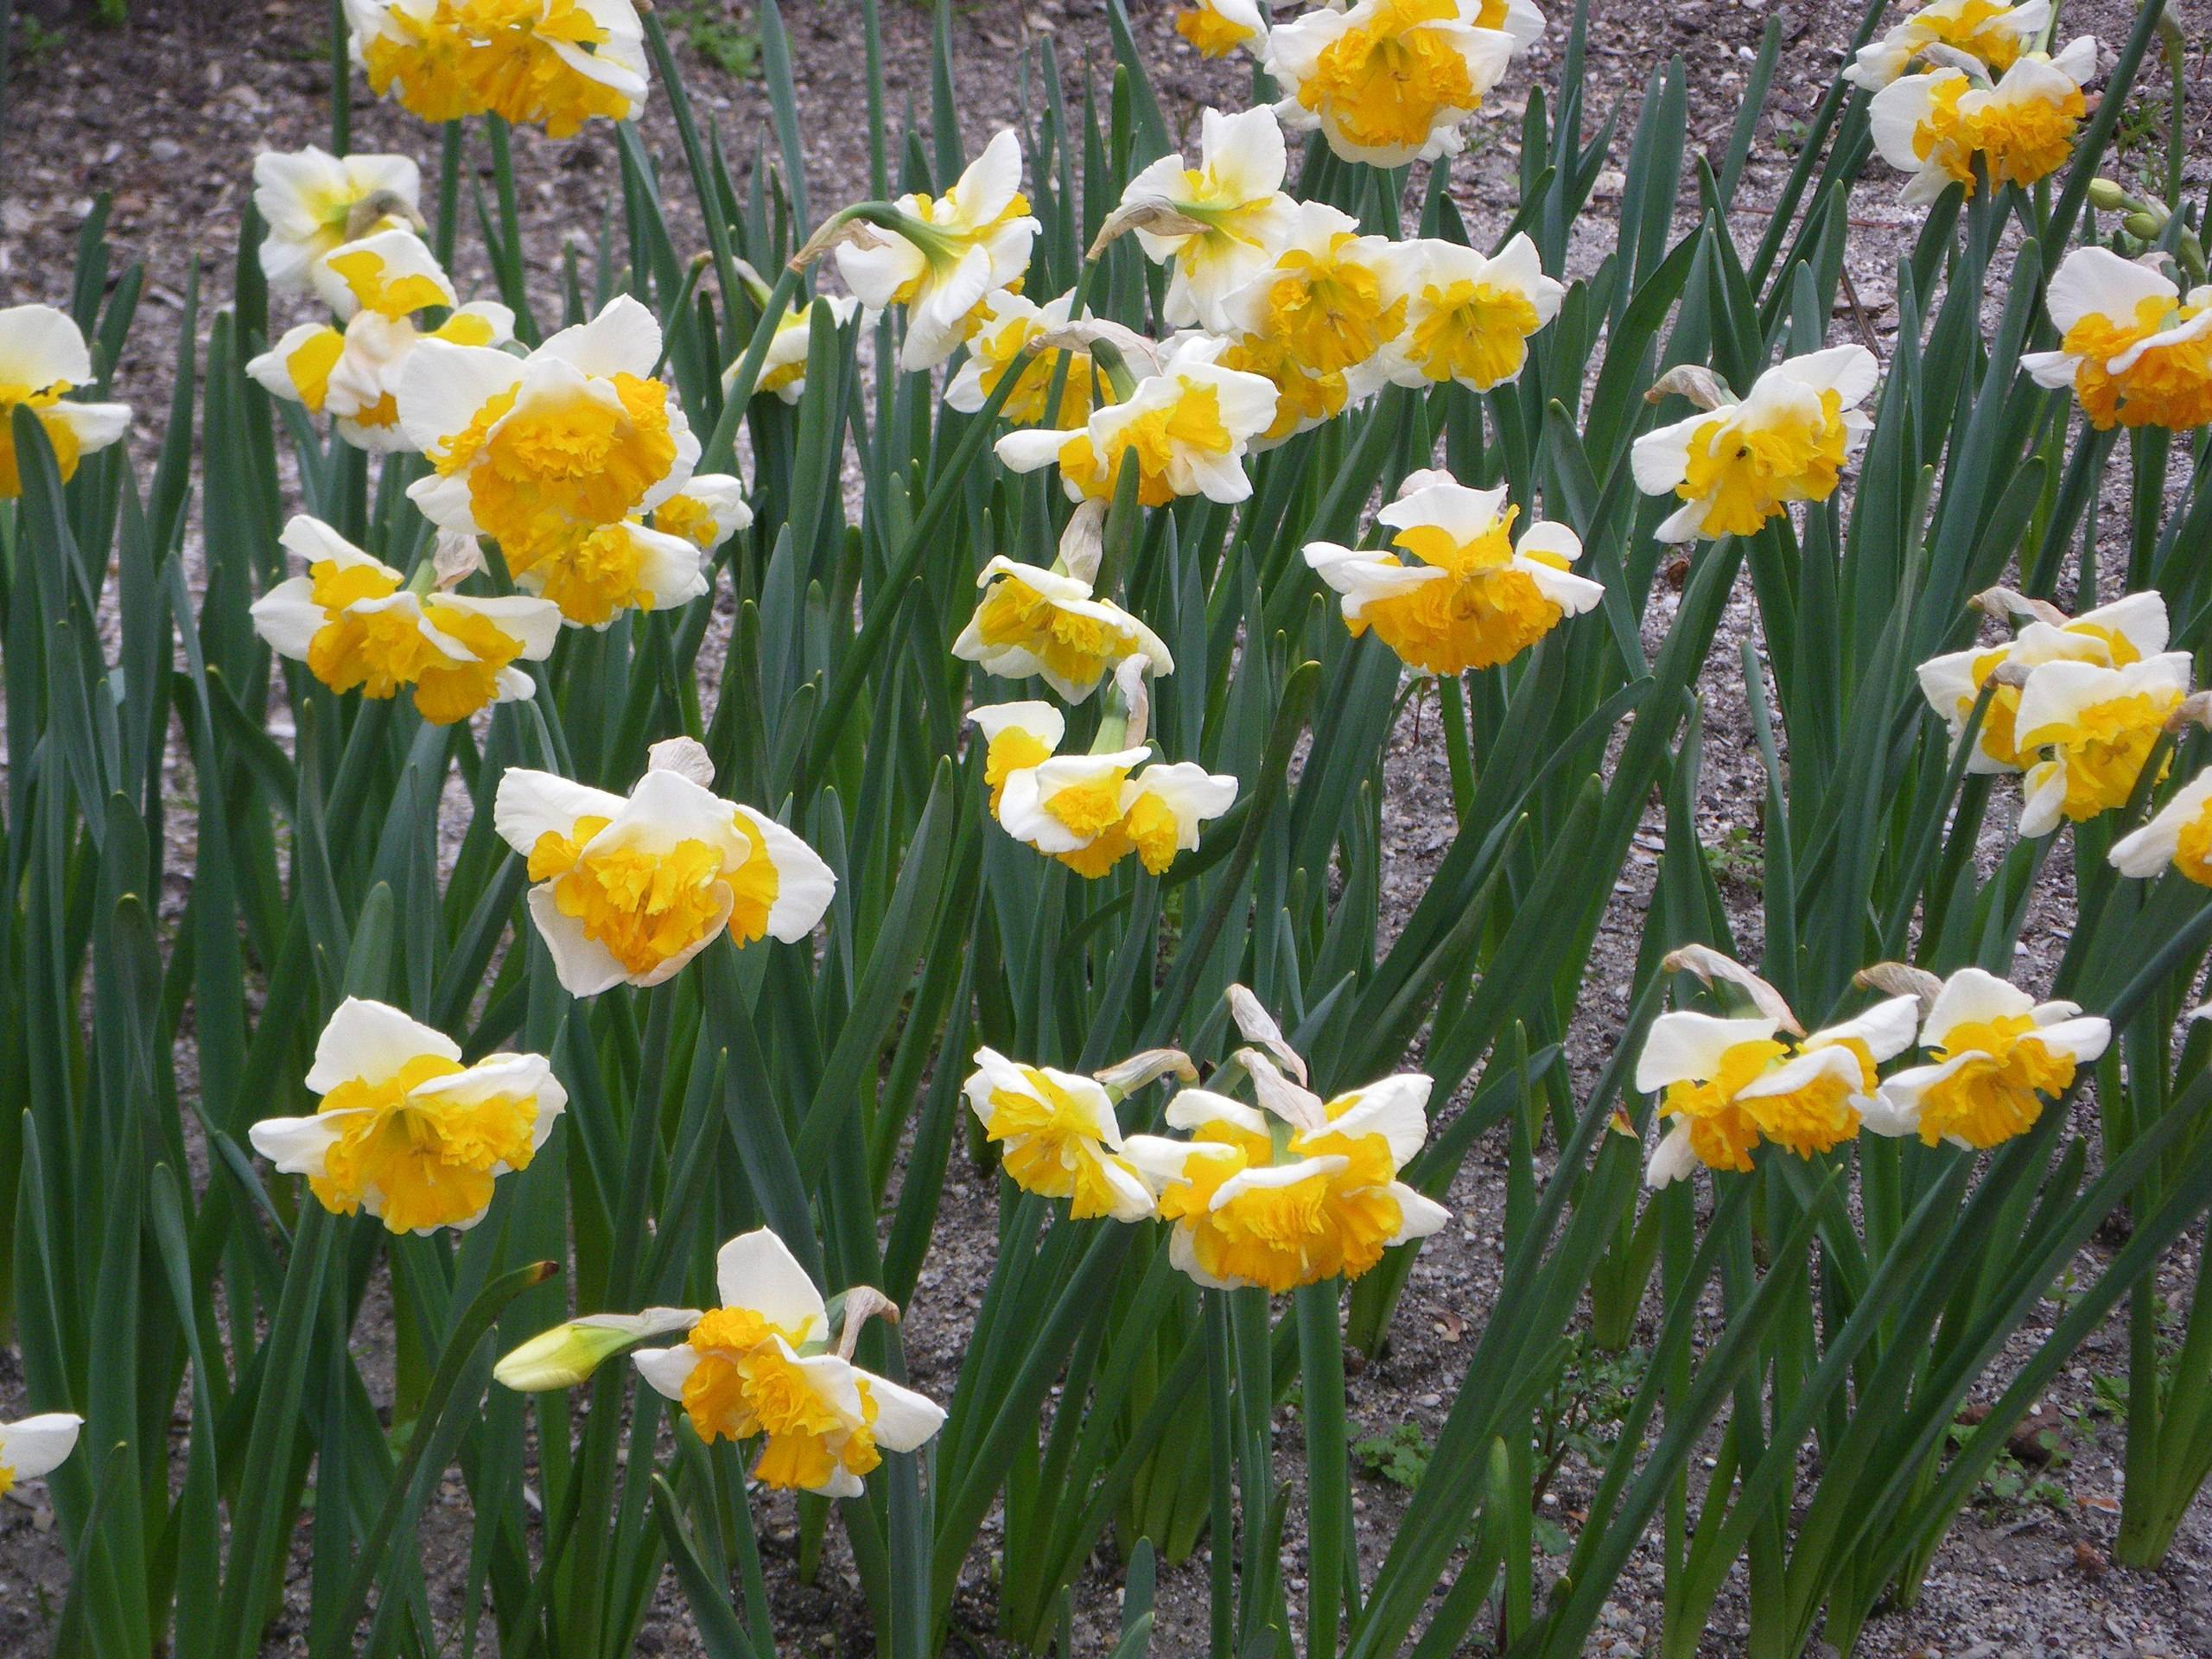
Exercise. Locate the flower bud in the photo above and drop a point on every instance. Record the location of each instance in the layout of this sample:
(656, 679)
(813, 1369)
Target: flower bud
(2145, 227)
(2107, 196)
(568, 1354)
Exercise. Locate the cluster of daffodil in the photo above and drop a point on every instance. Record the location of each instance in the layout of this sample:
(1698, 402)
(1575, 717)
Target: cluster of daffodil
(1729, 1082)
(2076, 705)
(1967, 91)
(555, 63)
(1289, 1191)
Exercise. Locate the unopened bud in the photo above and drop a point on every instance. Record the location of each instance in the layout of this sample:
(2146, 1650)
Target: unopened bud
(2107, 196)
(568, 1354)
(2144, 227)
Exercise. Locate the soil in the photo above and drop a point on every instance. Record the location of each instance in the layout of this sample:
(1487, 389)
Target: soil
(166, 113)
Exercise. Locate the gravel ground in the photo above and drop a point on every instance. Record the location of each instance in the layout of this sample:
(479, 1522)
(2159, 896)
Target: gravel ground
(166, 115)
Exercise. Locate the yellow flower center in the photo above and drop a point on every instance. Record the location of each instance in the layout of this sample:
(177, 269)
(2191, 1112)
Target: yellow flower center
(2168, 385)
(998, 350)
(1473, 333)
(362, 271)
(1079, 648)
(754, 886)
(1213, 35)
(1389, 83)
(2020, 139)
(1746, 474)
(1189, 425)
(1994, 1096)
(1013, 750)
(539, 475)
(1049, 1146)
(595, 577)
(1722, 1132)
(1152, 829)
(1485, 614)
(1302, 399)
(63, 437)
(554, 853)
(686, 516)
(1968, 29)
(742, 1385)
(309, 363)
(430, 1161)
(2193, 847)
(447, 691)
(374, 651)
(2105, 747)
(1326, 309)
(644, 907)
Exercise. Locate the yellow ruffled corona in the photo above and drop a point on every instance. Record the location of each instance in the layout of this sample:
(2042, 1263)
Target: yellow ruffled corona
(404, 1130)
(1056, 1136)
(552, 63)
(2095, 728)
(2133, 348)
(1389, 81)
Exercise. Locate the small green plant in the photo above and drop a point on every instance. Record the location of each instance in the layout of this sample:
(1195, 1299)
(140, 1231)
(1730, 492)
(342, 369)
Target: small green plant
(38, 42)
(1400, 1454)
(1737, 857)
(718, 37)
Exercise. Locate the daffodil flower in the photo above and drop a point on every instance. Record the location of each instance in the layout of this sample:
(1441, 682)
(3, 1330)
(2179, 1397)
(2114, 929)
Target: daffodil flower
(1997, 1054)
(353, 374)
(1330, 298)
(1736, 466)
(621, 567)
(1048, 623)
(2179, 834)
(783, 371)
(537, 452)
(943, 254)
(404, 1130)
(1218, 224)
(627, 890)
(2135, 350)
(761, 1365)
(558, 63)
(709, 510)
(1058, 1136)
(1730, 1083)
(2098, 726)
(1468, 596)
(1292, 1193)
(1469, 317)
(1009, 323)
(1186, 429)
(43, 358)
(1389, 81)
(358, 624)
(1989, 30)
(312, 202)
(1933, 124)
(2126, 631)
(33, 1447)
(1216, 28)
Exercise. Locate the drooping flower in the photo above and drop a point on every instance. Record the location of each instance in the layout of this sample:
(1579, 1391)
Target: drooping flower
(358, 624)
(404, 1130)
(2134, 348)
(1091, 811)
(1331, 299)
(1469, 318)
(353, 374)
(947, 252)
(2114, 635)
(32, 1447)
(1933, 126)
(783, 371)
(1730, 1083)
(1997, 1054)
(1302, 1190)
(1186, 429)
(558, 63)
(1216, 28)
(1468, 596)
(617, 567)
(627, 890)
(2097, 727)
(762, 1364)
(1009, 323)
(537, 452)
(1737, 466)
(2179, 834)
(1058, 1136)
(1389, 81)
(1048, 624)
(43, 359)
(312, 203)
(708, 511)
(1219, 224)
(1990, 30)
